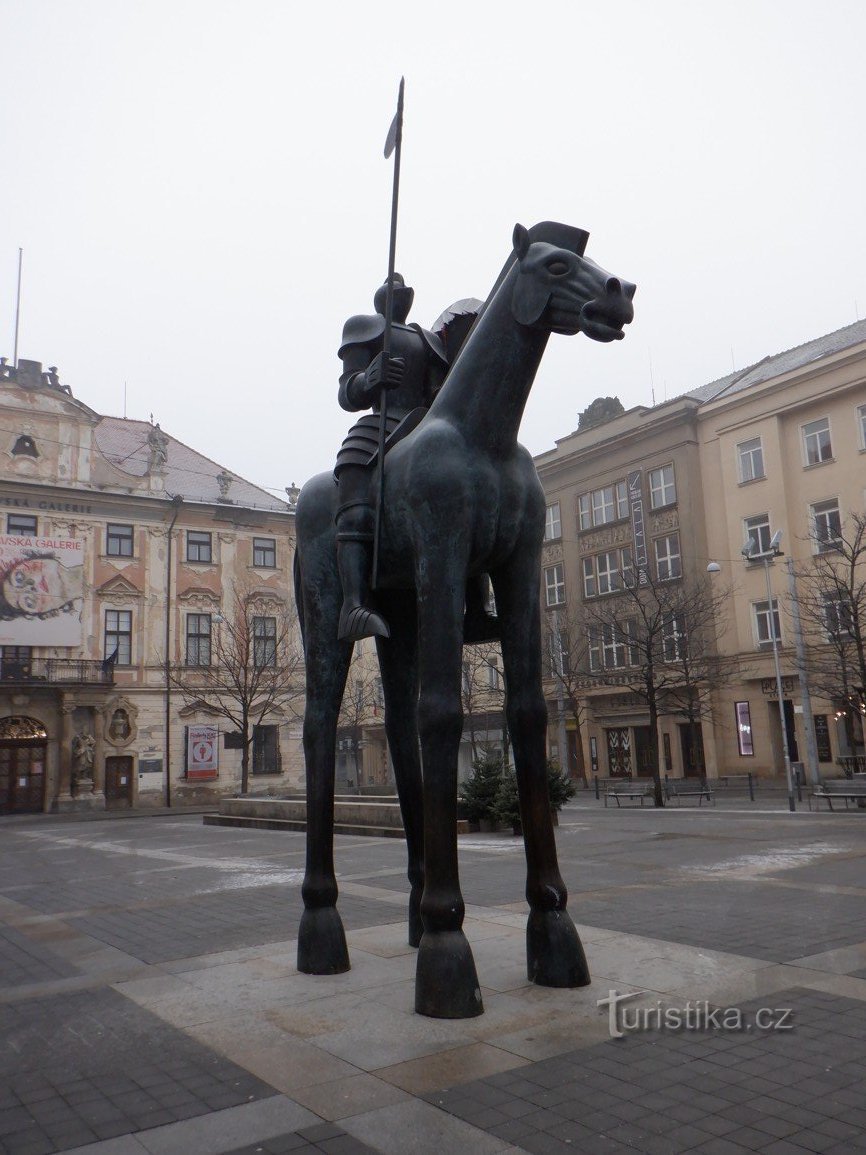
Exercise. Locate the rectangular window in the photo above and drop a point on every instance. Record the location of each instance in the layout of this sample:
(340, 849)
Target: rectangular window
(627, 567)
(608, 572)
(673, 638)
(493, 678)
(744, 729)
(663, 490)
(119, 540)
(764, 624)
(15, 662)
(757, 531)
(668, 560)
(118, 636)
(198, 546)
(584, 512)
(590, 585)
(265, 552)
(264, 642)
(554, 585)
(21, 524)
(629, 629)
(861, 425)
(750, 455)
(266, 750)
(603, 508)
(838, 616)
(594, 649)
(621, 499)
(817, 446)
(613, 647)
(552, 523)
(198, 633)
(826, 525)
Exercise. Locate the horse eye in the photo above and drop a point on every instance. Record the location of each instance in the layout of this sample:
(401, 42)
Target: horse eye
(557, 268)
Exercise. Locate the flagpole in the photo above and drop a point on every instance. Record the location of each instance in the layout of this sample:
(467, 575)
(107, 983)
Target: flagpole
(17, 309)
(395, 143)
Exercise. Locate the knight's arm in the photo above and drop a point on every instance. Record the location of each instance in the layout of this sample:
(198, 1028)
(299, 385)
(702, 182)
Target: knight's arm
(355, 392)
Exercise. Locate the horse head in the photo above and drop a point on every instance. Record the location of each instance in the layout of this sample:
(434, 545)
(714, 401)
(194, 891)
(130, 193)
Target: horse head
(564, 292)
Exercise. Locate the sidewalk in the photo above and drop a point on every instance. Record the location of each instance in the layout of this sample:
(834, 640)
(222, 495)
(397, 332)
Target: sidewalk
(149, 1000)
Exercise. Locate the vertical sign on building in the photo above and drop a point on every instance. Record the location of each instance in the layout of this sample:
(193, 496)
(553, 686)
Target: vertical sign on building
(635, 500)
(202, 751)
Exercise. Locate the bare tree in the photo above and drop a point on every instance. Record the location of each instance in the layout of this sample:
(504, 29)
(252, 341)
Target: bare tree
(362, 699)
(565, 659)
(245, 665)
(483, 694)
(832, 600)
(658, 636)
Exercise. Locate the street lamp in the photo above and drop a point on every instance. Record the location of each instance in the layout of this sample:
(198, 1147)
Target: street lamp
(752, 555)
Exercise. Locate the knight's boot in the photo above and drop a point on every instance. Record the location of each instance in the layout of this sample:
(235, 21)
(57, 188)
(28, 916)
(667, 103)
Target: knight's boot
(354, 560)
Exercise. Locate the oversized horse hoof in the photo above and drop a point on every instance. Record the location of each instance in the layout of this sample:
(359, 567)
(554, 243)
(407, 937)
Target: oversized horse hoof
(416, 926)
(322, 946)
(446, 983)
(358, 622)
(479, 626)
(554, 954)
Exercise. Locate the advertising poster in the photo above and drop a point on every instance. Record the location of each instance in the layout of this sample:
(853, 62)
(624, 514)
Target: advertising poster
(41, 591)
(202, 751)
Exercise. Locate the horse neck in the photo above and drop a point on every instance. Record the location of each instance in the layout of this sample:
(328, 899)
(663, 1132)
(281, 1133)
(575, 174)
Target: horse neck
(486, 390)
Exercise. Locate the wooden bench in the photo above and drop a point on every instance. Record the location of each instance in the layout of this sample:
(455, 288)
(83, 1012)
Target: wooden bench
(680, 788)
(839, 789)
(629, 788)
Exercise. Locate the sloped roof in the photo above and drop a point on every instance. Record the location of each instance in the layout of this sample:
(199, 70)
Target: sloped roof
(124, 443)
(781, 363)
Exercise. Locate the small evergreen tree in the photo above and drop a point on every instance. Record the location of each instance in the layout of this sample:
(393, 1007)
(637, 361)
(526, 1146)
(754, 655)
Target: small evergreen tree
(560, 786)
(478, 792)
(506, 806)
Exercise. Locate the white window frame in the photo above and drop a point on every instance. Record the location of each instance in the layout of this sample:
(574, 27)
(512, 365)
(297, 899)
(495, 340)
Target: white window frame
(861, 424)
(593, 649)
(662, 486)
(590, 582)
(826, 528)
(552, 522)
(672, 637)
(669, 558)
(554, 585)
(603, 506)
(607, 569)
(613, 647)
(118, 626)
(750, 459)
(815, 445)
(621, 500)
(761, 623)
(757, 529)
(584, 511)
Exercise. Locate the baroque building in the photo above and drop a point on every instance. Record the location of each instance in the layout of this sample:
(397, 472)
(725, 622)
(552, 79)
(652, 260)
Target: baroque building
(657, 495)
(122, 556)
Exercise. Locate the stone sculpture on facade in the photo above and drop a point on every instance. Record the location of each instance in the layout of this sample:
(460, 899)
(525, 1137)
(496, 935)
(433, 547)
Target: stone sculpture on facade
(461, 499)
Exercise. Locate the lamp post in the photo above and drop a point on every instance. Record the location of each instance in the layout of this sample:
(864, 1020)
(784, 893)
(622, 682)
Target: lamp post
(752, 555)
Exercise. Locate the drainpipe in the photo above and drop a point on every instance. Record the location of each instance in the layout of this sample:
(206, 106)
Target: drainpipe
(176, 503)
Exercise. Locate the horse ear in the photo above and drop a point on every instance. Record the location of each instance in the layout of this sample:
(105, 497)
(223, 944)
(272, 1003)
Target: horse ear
(520, 240)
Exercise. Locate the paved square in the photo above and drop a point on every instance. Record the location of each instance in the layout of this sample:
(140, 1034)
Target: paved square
(150, 1003)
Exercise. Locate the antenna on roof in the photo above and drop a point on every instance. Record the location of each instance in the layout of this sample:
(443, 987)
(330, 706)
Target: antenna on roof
(17, 308)
(652, 382)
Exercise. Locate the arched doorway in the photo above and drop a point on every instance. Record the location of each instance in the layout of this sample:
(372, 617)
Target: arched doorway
(23, 749)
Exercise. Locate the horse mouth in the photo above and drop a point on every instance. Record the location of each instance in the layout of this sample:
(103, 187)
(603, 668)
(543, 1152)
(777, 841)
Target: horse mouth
(599, 330)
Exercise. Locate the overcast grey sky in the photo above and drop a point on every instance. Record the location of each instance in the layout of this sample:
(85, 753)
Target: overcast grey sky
(200, 192)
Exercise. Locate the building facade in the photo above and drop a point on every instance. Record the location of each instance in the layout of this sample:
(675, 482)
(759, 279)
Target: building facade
(666, 492)
(123, 555)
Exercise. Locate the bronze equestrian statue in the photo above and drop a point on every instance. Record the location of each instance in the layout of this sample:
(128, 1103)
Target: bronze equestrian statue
(462, 499)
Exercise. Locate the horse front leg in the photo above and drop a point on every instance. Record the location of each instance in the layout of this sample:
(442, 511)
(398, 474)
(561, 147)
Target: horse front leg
(322, 946)
(554, 953)
(398, 664)
(446, 982)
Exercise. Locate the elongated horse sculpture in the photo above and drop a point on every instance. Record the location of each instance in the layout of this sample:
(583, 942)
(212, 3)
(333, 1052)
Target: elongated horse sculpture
(462, 498)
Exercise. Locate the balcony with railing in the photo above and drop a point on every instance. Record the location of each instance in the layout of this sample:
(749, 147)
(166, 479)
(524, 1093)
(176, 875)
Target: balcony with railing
(56, 672)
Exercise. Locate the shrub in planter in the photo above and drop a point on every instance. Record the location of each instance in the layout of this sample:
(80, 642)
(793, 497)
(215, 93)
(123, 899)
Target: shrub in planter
(478, 793)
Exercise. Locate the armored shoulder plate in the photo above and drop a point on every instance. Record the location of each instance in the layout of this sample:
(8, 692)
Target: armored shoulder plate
(361, 330)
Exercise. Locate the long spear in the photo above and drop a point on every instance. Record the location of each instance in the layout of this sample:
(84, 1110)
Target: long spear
(393, 143)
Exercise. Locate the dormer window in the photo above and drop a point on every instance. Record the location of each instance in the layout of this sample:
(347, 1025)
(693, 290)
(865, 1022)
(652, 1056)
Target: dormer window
(25, 446)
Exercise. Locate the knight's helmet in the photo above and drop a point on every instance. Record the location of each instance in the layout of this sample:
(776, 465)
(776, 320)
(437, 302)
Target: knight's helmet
(402, 302)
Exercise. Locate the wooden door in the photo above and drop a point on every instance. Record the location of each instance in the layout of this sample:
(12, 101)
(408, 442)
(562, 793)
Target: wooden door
(118, 782)
(22, 777)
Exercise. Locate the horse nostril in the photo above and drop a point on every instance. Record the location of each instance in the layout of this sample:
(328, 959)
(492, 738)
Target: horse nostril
(613, 286)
